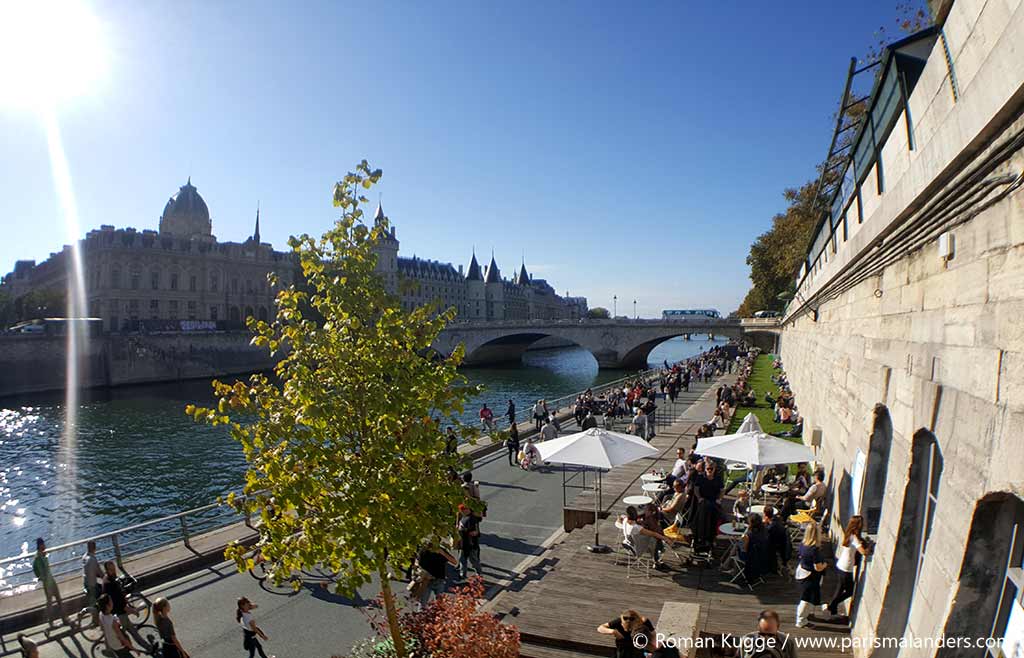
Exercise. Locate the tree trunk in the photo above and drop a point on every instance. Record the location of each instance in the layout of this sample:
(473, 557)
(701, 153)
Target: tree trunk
(392, 612)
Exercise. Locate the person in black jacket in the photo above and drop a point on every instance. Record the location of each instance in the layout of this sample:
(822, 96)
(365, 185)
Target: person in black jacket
(778, 540)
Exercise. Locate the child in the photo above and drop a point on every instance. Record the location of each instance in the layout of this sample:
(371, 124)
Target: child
(251, 632)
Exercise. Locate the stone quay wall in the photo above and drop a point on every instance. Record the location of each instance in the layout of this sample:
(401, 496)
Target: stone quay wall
(904, 346)
(36, 364)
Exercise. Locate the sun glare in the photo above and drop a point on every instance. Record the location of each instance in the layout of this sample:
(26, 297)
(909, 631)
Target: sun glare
(50, 51)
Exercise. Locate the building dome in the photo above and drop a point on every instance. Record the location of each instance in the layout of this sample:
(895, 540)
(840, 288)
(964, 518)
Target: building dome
(186, 213)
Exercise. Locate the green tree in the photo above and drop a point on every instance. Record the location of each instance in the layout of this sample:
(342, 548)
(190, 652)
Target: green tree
(347, 465)
(598, 313)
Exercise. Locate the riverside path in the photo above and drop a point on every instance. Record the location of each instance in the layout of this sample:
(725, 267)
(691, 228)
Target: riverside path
(524, 517)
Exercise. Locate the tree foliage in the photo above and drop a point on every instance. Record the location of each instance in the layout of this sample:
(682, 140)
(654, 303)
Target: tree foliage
(776, 255)
(598, 313)
(347, 467)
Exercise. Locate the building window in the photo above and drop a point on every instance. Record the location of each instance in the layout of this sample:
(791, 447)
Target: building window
(234, 284)
(154, 280)
(115, 278)
(192, 283)
(174, 280)
(133, 309)
(154, 308)
(172, 309)
(192, 310)
(135, 281)
(213, 282)
(213, 313)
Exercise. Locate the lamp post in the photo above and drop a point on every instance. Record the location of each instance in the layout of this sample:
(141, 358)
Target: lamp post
(615, 306)
(634, 310)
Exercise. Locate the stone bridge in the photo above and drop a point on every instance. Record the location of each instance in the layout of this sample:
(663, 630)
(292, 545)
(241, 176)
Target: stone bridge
(614, 343)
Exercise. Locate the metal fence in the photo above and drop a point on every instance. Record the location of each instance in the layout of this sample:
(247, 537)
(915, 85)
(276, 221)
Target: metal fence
(16, 574)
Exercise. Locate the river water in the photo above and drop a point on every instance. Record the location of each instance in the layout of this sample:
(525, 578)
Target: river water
(138, 456)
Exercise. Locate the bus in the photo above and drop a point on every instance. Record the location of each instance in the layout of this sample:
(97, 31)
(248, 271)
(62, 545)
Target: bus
(690, 313)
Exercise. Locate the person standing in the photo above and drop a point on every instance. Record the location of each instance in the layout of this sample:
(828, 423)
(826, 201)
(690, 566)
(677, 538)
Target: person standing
(433, 563)
(632, 633)
(512, 444)
(251, 633)
(41, 569)
(92, 580)
(589, 422)
(547, 431)
(810, 565)
(538, 414)
(451, 442)
(469, 540)
(119, 603)
(846, 560)
(162, 613)
(510, 412)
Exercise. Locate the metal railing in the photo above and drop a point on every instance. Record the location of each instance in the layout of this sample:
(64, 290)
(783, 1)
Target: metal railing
(16, 574)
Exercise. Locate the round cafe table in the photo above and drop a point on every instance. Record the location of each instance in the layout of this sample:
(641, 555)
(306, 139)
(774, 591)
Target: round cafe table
(759, 509)
(732, 529)
(652, 477)
(774, 488)
(737, 466)
(637, 501)
(654, 487)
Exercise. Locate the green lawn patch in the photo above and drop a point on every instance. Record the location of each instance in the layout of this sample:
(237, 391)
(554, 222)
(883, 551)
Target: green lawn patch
(761, 382)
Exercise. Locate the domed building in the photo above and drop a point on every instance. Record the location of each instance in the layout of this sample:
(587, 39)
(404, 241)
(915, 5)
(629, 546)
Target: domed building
(177, 278)
(186, 214)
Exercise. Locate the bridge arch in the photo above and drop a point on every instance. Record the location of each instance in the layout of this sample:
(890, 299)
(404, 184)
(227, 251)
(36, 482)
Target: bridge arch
(507, 348)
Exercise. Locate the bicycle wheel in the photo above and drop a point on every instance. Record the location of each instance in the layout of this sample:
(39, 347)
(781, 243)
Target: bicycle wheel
(90, 631)
(151, 635)
(259, 571)
(100, 650)
(139, 610)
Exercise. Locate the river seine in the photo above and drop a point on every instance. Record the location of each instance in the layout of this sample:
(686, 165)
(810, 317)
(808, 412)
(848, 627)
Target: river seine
(138, 456)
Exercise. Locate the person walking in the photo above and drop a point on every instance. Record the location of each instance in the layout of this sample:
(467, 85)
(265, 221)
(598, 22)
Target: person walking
(510, 412)
(113, 635)
(41, 569)
(810, 565)
(162, 614)
(469, 540)
(251, 633)
(92, 580)
(548, 431)
(846, 560)
(119, 604)
(512, 444)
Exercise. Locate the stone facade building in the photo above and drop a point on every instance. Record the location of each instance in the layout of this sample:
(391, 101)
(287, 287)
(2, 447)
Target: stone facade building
(180, 272)
(904, 344)
(479, 294)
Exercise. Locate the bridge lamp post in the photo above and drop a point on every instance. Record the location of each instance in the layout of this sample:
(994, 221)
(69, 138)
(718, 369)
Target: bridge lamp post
(634, 310)
(615, 305)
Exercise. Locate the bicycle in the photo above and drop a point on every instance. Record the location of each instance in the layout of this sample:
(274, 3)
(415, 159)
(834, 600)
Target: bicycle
(136, 606)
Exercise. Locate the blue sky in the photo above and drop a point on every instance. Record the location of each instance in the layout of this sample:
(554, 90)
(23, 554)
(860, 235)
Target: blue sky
(627, 150)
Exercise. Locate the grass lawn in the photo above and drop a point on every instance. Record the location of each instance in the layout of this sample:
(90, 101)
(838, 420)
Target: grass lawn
(761, 382)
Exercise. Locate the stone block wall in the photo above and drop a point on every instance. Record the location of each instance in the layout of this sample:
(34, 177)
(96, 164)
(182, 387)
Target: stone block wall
(941, 345)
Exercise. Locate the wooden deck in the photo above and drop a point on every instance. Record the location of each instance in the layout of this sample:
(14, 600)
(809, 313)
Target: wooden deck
(561, 599)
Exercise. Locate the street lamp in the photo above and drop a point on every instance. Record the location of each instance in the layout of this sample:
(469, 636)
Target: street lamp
(615, 305)
(634, 310)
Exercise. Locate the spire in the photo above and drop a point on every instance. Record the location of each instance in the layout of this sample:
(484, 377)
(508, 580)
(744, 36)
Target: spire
(256, 233)
(378, 216)
(473, 273)
(523, 278)
(493, 274)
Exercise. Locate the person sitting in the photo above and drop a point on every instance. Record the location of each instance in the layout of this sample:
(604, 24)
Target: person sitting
(810, 499)
(641, 540)
(797, 431)
(767, 641)
(632, 632)
(28, 647)
(753, 550)
(741, 507)
(589, 422)
(802, 480)
(530, 456)
(676, 507)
